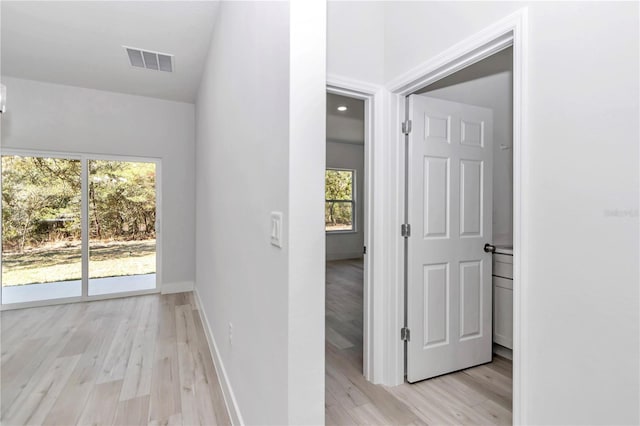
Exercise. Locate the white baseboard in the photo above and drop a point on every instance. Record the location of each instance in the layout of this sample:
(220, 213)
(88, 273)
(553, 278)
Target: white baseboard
(227, 391)
(341, 256)
(502, 351)
(178, 287)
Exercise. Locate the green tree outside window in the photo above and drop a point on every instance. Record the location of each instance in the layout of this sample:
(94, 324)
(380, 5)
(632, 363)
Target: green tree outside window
(339, 200)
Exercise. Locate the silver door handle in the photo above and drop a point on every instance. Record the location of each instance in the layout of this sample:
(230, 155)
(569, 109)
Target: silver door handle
(489, 248)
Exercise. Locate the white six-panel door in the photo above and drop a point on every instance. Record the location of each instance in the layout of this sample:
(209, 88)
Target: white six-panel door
(450, 213)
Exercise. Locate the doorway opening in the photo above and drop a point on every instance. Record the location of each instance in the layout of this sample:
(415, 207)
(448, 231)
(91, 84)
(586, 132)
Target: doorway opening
(459, 252)
(345, 207)
(77, 227)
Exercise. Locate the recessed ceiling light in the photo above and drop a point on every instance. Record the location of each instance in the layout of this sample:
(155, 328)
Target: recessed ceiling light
(342, 108)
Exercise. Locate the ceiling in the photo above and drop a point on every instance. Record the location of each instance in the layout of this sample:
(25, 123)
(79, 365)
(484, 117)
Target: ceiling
(345, 126)
(80, 43)
(355, 107)
(497, 63)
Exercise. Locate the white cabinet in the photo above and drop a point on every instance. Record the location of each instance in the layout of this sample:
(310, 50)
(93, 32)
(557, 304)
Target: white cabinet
(503, 300)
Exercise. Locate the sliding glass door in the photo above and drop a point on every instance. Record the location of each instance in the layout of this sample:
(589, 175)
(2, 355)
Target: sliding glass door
(41, 229)
(122, 226)
(77, 228)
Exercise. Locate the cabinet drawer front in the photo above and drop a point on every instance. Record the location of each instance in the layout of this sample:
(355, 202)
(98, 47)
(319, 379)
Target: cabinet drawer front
(503, 317)
(502, 269)
(503, 283)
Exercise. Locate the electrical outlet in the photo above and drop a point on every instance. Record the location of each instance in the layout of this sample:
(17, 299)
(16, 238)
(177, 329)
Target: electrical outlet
(230, 333)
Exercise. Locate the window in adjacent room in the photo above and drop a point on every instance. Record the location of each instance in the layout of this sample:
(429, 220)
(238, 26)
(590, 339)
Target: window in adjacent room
(339, 211)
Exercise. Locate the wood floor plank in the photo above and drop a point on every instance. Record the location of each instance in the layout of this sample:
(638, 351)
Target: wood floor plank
(11, 324)
(165, 401)
(25, 358)
(196, 398)
(100, 408)
(118, 355)
(485, 388)
(175, 420)
(33, 407)
(167, 318)
(393, 409)
(137, 377)
(368, 414)
(349, 330)
(484, 374)
(73, 398)
(31, 325)
(449, 403)
(425, 409)
(134, 411)
(346, 392)
(503, 366)
(336, 339)
(69, 405)
(460, 391)
(84, 333)
(497, 413)
(117, 359)
(28, 377)
(57, 327)
(329, 399)
(338, 393)
(338, 416)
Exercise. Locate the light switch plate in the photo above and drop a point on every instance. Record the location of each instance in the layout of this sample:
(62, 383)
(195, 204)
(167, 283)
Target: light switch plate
(276, 229)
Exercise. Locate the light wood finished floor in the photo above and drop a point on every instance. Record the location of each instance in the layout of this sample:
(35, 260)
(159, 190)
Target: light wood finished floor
(131, 361)
(476, 396)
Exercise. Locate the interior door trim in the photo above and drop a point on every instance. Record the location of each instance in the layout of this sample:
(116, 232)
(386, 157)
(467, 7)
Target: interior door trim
(512, 31)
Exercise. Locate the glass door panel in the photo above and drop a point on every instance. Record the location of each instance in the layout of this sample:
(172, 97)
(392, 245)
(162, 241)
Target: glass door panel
(41, 228)
(122, 235)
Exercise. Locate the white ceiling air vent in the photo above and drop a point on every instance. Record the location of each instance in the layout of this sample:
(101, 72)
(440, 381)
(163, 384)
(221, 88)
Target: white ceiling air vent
(150, 60)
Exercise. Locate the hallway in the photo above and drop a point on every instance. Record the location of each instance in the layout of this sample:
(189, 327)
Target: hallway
(479, 395)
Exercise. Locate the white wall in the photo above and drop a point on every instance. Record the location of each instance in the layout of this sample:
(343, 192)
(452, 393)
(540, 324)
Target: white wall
(417, 31)
(307, 135)
(494, 91)
(342, 155)
(580, 312)
(355, 40)
(260, 148)
(50, 117)
(345, 129)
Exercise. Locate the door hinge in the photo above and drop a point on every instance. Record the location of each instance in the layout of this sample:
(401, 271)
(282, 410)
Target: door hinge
(405, 230)
(405, 335)
(406, 127)
(364, 250)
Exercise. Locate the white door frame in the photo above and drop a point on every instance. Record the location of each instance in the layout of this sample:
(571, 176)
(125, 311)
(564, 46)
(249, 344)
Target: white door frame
(510, 31)
(372, 202)
(84, 158)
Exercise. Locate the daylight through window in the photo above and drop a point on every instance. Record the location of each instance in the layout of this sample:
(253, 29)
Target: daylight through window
(339, 200)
